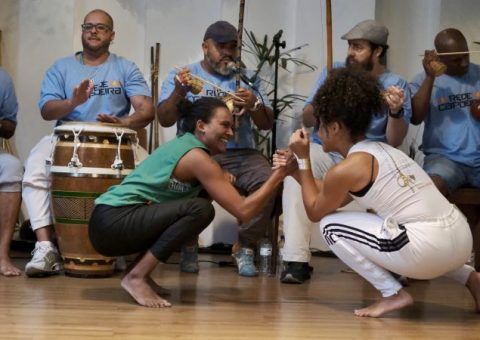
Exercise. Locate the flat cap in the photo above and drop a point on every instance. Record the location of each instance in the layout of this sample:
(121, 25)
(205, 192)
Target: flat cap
(370, 30)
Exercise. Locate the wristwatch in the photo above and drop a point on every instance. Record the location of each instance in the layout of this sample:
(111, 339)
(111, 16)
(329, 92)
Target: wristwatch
(399, 114)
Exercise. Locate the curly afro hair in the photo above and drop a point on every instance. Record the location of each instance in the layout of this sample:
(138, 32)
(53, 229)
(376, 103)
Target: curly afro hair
(349, 96)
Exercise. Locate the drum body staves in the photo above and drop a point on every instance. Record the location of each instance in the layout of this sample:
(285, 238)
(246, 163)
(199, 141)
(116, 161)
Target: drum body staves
(88, 158)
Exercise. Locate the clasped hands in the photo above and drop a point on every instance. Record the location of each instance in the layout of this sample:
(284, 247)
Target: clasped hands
(298, 148)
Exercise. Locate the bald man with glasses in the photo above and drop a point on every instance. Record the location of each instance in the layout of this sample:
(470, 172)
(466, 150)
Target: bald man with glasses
(91, 85)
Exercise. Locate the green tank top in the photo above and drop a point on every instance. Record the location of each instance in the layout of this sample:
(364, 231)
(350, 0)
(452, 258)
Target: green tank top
(152, 180)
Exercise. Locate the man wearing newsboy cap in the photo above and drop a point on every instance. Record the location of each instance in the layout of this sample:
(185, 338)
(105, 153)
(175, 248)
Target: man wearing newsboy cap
(367, 46)
(369, 30)
(250, 168)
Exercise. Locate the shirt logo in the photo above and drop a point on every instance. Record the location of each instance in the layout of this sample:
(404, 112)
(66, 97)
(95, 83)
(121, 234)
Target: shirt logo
(177, 186)
(455, 101)
(105, 88)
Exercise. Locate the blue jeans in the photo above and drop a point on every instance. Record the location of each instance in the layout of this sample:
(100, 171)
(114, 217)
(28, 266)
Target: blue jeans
(454, 174)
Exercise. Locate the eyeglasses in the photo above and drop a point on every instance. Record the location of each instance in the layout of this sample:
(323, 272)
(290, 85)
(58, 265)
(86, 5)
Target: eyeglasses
(102, 28)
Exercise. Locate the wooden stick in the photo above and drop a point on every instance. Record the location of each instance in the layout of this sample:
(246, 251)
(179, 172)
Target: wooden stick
(0, 47)
(153, 141)
(238, 61)
(156, 142)
(453, 53)
(150, 140)
(329, 35)
(215, 86)
(238, 64)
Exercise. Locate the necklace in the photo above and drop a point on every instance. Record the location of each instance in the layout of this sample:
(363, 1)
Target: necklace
(403, 180)
(96, 68)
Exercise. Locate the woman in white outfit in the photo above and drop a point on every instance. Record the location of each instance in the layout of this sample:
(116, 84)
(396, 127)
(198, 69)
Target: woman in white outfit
(414, 231)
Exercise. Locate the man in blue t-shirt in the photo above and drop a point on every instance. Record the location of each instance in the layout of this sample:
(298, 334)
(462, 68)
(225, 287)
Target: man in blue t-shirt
(451, 135)
(91, 85)
(11, 172)
(249, 167)
(367, 45)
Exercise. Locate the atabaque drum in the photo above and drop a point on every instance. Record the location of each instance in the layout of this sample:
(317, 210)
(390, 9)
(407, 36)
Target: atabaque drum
(86, 159)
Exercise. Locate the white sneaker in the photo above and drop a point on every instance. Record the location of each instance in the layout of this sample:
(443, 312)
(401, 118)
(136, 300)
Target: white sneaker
(45, 261)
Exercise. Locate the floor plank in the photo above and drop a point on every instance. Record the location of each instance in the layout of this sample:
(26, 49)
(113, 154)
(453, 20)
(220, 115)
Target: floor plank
(218, 304)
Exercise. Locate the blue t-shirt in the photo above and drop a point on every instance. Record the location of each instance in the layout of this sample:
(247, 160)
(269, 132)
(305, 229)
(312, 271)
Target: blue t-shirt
(244, 131)
(450, 129)
(115, 81)
(378, 124)
(8, 99)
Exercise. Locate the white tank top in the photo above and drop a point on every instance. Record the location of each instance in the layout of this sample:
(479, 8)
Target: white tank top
(402, 189)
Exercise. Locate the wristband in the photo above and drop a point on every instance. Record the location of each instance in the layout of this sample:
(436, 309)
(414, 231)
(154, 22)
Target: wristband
(304, 163)
(397, 115)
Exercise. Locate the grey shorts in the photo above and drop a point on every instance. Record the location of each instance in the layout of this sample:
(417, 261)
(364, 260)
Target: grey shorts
(11, 173)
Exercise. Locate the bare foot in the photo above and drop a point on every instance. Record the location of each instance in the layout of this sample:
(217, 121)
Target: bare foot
(8, 269)
(473, 285)
(157, 288)
(388, 304)
(139, 288)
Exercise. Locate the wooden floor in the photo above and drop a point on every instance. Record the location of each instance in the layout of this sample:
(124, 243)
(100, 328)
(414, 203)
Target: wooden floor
(218, 304)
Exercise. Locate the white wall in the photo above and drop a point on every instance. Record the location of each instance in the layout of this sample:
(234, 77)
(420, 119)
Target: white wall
(413, 25)
(36, 33)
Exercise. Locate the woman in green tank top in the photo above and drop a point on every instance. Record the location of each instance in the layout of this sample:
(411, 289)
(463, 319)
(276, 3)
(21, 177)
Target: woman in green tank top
(156, 208)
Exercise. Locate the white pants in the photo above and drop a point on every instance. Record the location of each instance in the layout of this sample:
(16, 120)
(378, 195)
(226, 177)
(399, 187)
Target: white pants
(374, 247)
(11, 172)
(297, 228)
(37, 182)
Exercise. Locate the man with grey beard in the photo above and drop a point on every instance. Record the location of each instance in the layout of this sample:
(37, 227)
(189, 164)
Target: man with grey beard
(244, 163)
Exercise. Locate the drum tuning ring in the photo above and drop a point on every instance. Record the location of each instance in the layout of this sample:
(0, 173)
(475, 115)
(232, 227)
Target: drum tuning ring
(75, 163)
(117, 164)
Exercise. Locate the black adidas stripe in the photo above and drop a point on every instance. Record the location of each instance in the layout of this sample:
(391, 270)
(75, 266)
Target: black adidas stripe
(361, 236)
